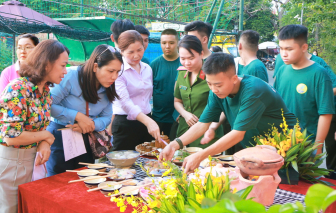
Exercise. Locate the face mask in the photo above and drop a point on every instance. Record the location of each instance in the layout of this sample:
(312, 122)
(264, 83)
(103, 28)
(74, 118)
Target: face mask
(314, 53)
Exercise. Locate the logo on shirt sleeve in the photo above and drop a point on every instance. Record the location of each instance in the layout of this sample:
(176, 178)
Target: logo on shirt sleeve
(301, 88)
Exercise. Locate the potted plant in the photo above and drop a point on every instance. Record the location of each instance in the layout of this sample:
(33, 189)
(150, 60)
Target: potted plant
(298, 152)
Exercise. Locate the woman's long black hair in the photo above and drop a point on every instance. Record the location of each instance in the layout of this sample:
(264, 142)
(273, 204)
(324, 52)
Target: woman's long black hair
(102, 55)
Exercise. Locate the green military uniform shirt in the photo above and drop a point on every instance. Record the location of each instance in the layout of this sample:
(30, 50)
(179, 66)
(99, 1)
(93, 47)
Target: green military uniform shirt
(254, 109)
(164, 75)
(307, 93)
(194, 101)
(278, 63)
(255, 68)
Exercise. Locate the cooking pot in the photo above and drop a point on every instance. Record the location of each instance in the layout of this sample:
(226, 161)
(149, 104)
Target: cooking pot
(258, 160)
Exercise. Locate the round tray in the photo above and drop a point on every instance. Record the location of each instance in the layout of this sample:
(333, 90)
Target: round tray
(144, 152)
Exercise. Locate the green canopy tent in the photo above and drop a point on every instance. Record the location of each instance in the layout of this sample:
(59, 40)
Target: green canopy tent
(81, 50)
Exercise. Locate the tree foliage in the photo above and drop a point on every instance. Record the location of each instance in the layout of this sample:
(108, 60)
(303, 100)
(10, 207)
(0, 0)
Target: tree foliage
(258, 16)
(319, 16)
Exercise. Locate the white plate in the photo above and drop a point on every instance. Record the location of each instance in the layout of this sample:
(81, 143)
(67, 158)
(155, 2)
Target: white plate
(111, 188)
(134, 192)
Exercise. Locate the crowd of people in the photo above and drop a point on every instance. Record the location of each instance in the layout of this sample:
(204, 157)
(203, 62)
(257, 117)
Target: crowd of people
(201, 97)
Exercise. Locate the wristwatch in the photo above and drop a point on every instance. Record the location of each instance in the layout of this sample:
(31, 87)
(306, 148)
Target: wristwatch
(179, 142)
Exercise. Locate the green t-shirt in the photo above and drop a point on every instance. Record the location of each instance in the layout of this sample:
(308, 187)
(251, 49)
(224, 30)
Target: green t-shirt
(278, 63)
(145, 60)
(330, 72)
(164, 74)
(255, 68)
(307, 93)
(254, 109)
(194, 100)
(240, 68)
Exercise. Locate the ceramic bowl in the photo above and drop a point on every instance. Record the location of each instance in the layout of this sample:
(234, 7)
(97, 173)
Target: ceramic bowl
(100, 167)
(87, 173)
(94, 183)
(110, 189)
(193, 150)
(123, 158)
(226, 158)
(126, 188)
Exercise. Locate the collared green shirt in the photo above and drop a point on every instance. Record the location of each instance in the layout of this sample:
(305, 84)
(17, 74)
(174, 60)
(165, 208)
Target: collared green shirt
(254, 109)
(255, 68)
(194, 99)
(307, 92)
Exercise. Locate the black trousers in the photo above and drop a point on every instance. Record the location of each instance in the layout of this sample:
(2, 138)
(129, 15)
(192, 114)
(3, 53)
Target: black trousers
(330, 143)
(56, 163)
(128, 134)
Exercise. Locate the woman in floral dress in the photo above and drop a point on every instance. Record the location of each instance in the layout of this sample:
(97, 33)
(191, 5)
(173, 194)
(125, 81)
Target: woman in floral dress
(24, 116)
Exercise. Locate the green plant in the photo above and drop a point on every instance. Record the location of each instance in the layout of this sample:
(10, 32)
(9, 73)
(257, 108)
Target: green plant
(177, 193)
(297, 150)
(318, 197)
(5, 55)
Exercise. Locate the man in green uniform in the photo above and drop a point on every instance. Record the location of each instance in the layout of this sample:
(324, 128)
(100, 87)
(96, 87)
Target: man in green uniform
(278, 63)
(144, 32)
(164, 74)
(202, 31)
(304, 85)
(247, 48)
(247, 102)
(330, 141)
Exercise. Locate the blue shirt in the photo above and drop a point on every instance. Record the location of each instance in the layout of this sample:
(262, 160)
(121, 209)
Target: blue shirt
(68, 101)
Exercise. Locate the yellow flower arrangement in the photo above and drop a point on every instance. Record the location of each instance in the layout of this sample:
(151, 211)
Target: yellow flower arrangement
(174, 194)
(296, 149)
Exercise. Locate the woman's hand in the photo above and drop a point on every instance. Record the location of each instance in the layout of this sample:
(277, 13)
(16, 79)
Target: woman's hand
(75, 128)
(85, 123)
(190, 118)
(154, 130)
(44, 152)
(48, 137)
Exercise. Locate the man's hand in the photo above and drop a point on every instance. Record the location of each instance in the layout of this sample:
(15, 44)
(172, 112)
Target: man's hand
(192, 162)
(168, 152)
(208, 136)
(44, 153)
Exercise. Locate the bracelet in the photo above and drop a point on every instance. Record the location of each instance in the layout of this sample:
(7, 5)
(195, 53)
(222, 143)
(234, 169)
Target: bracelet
(179, 142)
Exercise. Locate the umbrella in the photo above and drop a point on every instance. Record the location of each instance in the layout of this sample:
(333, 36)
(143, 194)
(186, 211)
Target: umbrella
(268, 45)
(19, 11)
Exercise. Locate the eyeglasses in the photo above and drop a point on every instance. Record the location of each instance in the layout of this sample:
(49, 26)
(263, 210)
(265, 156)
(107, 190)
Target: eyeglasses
(25, 48)
(112, 49)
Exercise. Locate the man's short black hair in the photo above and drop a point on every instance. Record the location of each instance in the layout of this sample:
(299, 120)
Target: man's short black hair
(142, 30)
(170, 32)
(201, 27)
(216, 49)
(218, 62)
(251, 39)
(294, 31)
(119, 26)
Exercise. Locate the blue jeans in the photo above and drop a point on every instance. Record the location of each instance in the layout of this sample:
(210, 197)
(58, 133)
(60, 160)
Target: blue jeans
(56, 163)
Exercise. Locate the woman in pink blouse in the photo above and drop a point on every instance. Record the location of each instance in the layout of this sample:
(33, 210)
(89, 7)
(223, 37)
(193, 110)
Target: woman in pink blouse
(25, 45)
(132, 121)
